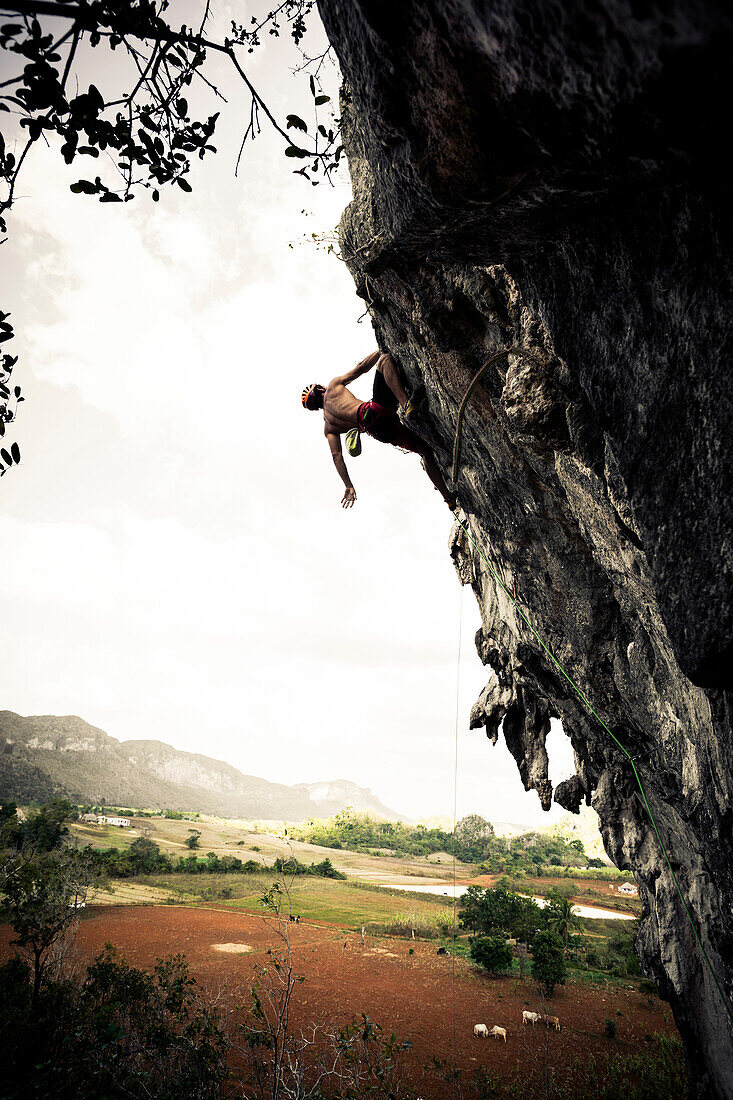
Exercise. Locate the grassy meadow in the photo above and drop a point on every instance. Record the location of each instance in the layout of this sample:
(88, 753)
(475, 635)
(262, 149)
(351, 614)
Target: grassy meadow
(347, 903)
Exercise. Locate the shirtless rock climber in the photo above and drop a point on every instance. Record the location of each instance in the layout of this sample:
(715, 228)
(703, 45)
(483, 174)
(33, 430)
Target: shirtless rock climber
(377, 418)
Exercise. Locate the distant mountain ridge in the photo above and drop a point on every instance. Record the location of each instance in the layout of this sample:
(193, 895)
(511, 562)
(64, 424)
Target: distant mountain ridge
(43, 755)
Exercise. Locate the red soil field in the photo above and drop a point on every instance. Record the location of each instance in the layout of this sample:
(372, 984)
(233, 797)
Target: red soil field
(415, 995)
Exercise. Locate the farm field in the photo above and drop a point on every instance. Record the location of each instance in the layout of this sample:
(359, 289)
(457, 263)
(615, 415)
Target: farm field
(234, 838)
(347, 903)
(416, 994)
(351, 903)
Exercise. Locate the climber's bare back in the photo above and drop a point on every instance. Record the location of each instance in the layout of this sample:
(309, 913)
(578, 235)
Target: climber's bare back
(339, 408)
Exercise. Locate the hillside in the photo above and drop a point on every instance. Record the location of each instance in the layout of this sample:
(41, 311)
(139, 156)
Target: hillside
(45, 755)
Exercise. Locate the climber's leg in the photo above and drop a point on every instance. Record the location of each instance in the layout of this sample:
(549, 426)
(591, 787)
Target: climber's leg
(433, 472)
(411, 441)
(387, 367)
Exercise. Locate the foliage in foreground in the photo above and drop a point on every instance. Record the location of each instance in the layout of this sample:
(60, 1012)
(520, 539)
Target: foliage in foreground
(43, 886)
(658, 1074)
(119, 1032)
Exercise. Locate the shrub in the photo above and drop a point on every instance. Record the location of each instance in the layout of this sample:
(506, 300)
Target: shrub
(610, 1029)
(492, 953)
(112, 1033)
(325, 869)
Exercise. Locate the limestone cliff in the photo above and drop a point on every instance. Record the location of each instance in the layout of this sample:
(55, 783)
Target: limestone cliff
(550, 176)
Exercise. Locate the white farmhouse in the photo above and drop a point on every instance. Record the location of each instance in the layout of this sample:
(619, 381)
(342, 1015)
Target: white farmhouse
(628, 888)
(122, 822)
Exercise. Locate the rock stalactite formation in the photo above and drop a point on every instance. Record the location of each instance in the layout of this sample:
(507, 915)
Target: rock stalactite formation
(550, 177)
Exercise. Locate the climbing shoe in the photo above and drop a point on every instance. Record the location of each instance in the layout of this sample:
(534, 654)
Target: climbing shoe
(414, 403)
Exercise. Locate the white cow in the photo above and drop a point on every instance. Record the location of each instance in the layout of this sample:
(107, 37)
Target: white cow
(498, 1031)
(480, 1031)
(530, 1017)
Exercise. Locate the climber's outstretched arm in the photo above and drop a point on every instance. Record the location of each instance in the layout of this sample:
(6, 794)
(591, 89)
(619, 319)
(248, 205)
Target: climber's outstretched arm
(334, 442)
(361, 368)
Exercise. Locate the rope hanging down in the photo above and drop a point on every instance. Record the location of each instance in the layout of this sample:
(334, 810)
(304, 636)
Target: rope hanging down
(584, 699)
(455, 817)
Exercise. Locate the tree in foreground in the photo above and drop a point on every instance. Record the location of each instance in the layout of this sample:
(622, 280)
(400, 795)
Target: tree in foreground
(44, 885)
(548, 961)
(119, 1032)
(43, 899)
(145, 117)
(324, 1061)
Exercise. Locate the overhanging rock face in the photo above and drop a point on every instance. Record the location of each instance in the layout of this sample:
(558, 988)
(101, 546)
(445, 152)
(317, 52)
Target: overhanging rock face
(550, 177)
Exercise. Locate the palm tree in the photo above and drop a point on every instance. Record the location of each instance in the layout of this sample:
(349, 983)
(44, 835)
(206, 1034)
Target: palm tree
(561, 918)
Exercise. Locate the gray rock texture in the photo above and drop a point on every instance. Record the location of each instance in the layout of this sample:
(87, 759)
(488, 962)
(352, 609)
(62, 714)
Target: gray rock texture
(552, 177)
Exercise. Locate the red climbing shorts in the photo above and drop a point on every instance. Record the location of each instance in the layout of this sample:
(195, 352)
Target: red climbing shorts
(382, 424)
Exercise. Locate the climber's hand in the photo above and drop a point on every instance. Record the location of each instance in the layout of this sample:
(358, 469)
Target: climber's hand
(348, 498)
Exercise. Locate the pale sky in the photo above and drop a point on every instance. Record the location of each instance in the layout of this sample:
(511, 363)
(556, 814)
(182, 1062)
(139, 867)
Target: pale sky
(175, 561)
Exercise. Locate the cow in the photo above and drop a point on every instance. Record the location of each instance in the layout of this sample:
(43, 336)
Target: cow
(530, 1017)
(480, 1031)
(552, 1021)
(498, 1031)
(441, 951)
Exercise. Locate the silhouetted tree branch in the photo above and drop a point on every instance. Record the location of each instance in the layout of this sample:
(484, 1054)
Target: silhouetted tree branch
(146, 135)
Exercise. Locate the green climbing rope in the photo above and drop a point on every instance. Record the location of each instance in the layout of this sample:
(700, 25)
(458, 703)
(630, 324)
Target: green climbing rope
(584, 699)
